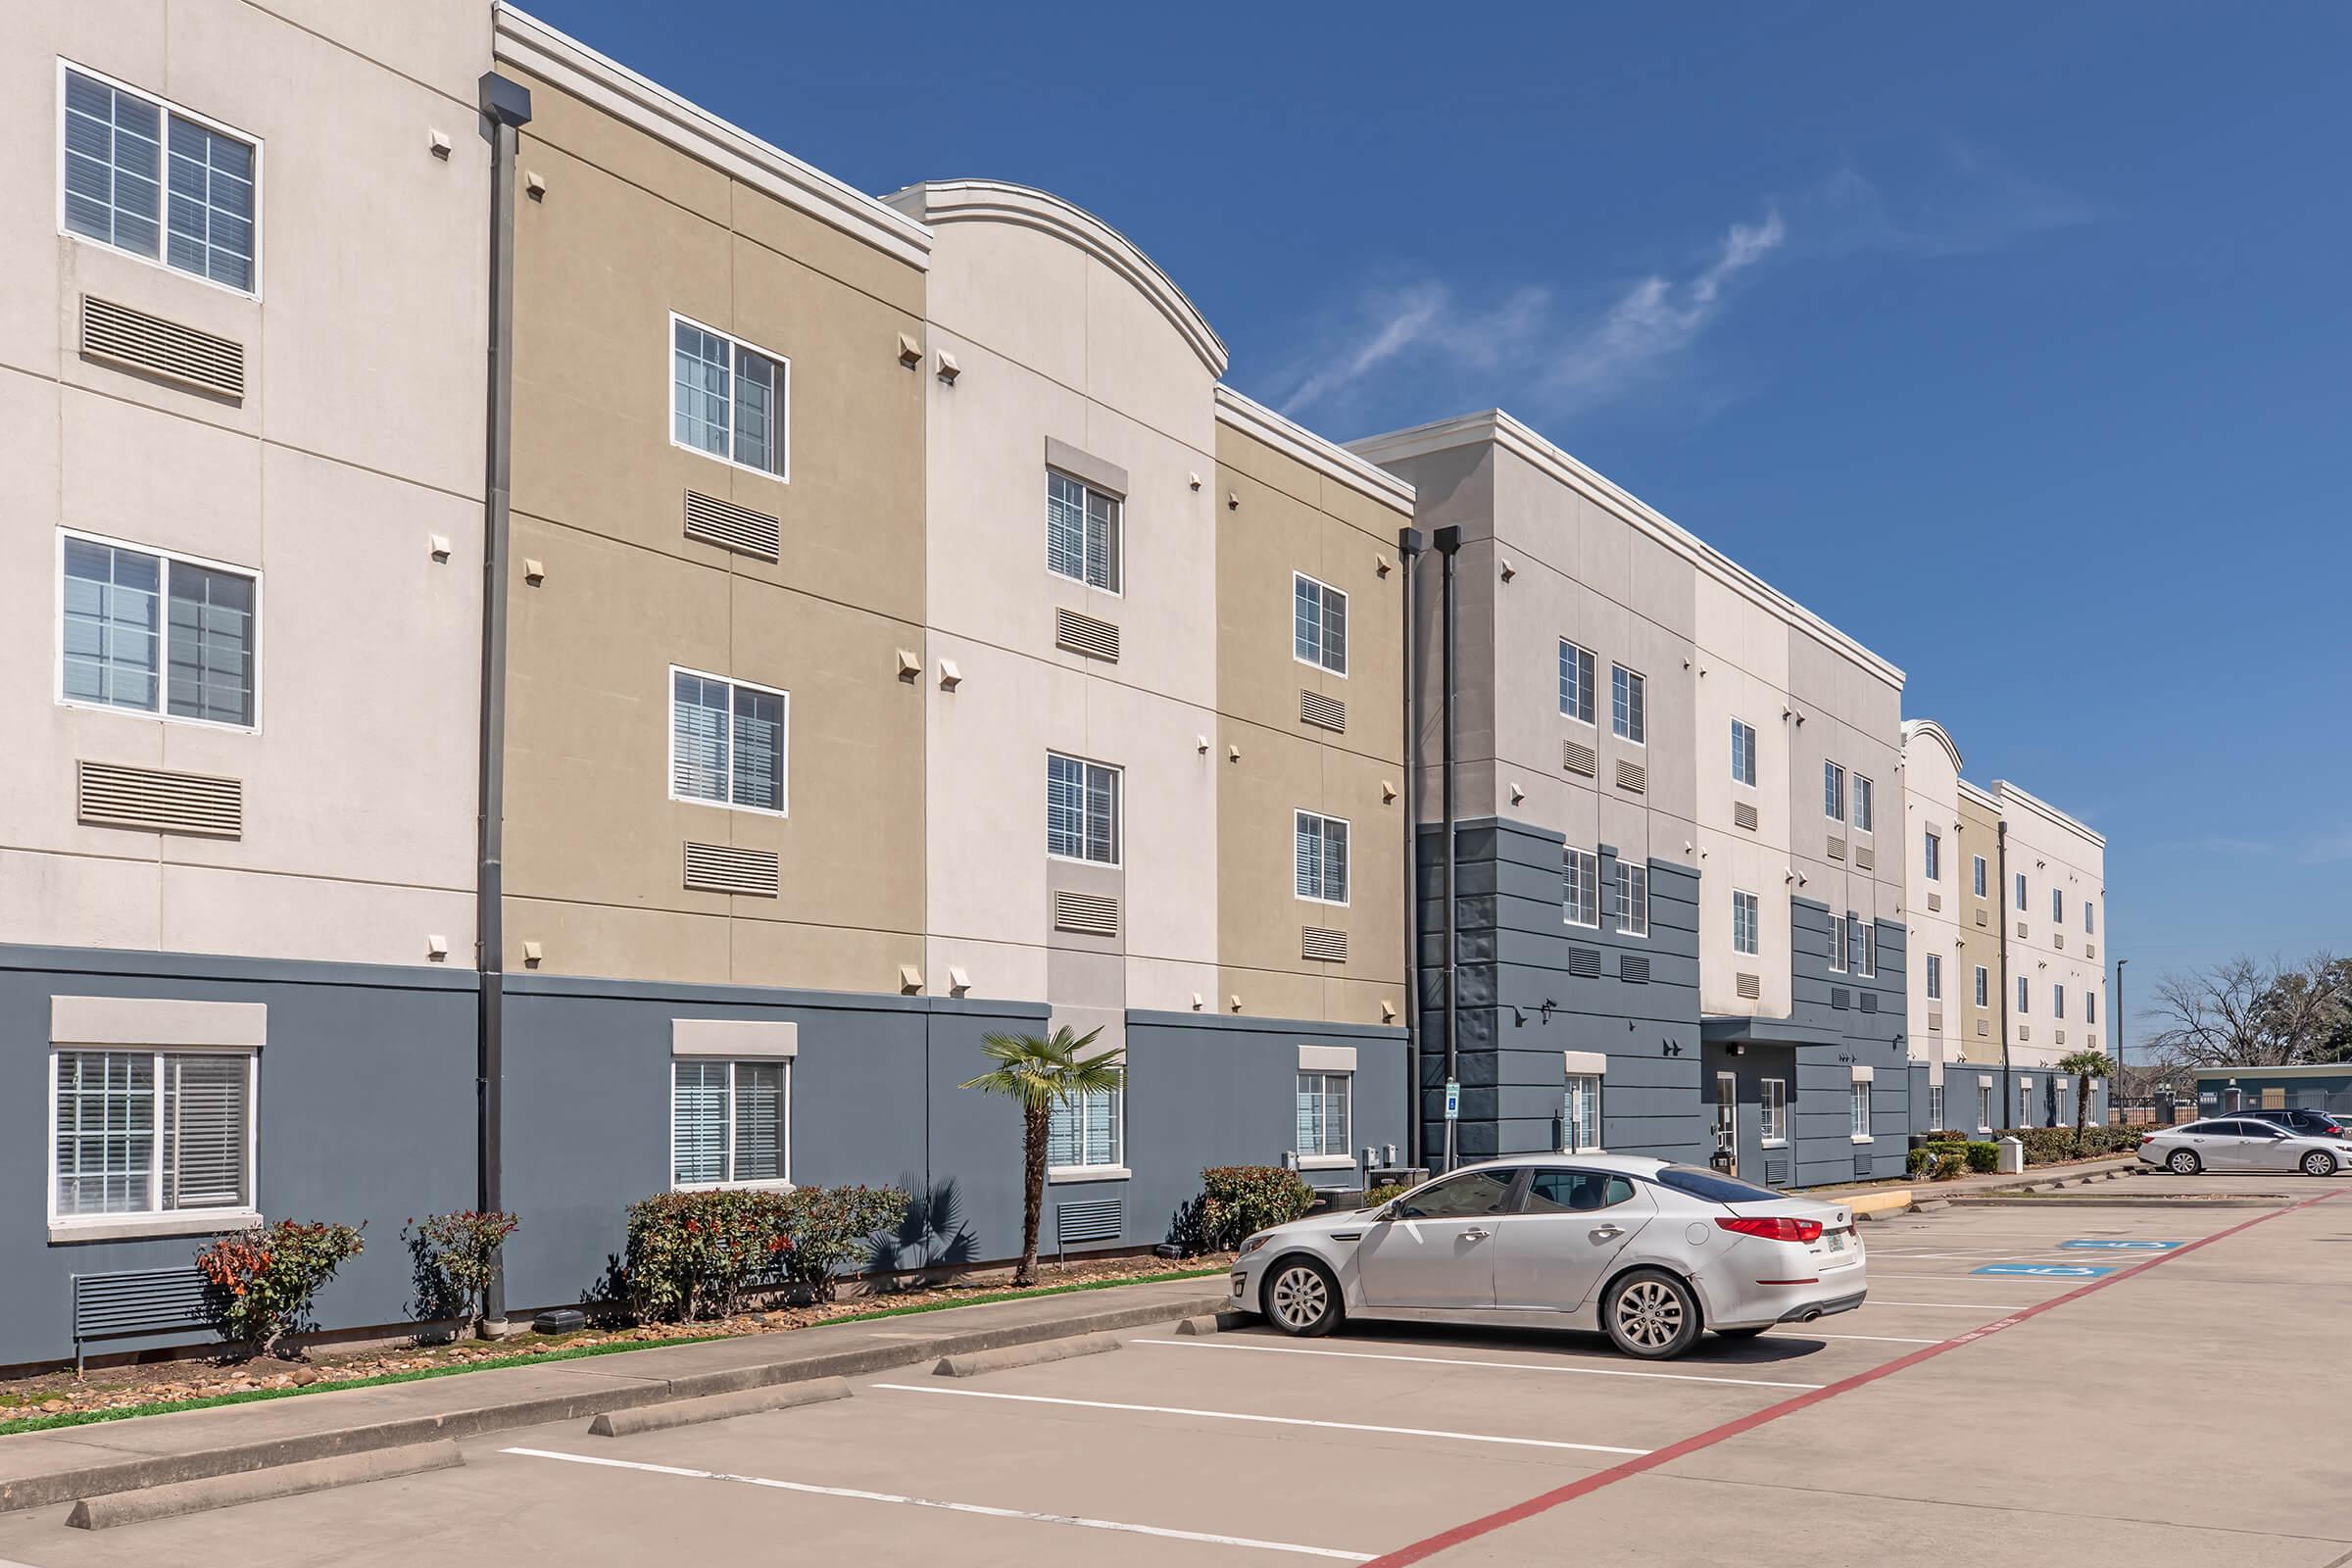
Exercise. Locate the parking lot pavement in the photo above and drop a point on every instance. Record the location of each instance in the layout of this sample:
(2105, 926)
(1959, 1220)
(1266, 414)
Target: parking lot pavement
(2111, 1427)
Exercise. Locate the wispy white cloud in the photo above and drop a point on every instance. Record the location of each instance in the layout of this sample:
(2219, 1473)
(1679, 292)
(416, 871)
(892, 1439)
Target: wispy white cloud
(2327, 849)
(1968, 204)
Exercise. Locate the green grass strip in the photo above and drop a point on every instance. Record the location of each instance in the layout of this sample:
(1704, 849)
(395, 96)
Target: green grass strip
(81, 1418)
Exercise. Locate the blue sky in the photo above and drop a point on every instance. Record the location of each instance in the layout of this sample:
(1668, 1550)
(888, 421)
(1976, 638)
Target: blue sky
(2013, 339)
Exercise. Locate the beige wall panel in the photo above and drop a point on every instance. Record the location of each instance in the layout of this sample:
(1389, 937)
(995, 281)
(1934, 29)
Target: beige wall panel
(998, 969)
(620, 944)
(82, 900)
(1168, 612)
(819, 957)
(439, 42)
(622, 152)
(1269, 993)
(1138, 362)
(1018, 293)
(986, 808)
(834, 255)
(1156, 985)
(253, 915)
(1171, 815)
(195, 487)
(1361, 1002)
(86, 267)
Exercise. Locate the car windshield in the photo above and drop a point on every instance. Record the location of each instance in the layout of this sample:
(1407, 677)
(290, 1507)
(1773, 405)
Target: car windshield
(1714, 1187)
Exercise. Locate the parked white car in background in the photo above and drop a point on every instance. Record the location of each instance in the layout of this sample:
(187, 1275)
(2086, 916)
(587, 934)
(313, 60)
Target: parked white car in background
(2227, 1143)
(1652, 1253)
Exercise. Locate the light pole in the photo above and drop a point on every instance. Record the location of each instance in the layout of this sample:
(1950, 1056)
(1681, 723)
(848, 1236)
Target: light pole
(2119, 1020)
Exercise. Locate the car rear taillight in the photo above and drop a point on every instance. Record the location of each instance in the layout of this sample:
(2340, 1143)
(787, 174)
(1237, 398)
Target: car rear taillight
(1776, 1229)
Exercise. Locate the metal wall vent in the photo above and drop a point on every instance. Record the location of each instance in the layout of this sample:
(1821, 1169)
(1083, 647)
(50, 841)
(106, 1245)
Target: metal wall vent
(1325, 713)
(1866, 857)
(1861, 1164)
(1743, 816)
(108, 795)
(1870, 1002)
(2058, 940)
(2021, 928)
(1935, 1021)
(1584, 963)
(1084, 634)
(1983, 1026)
(1934, 902)
(1088, 913)
(2090, 950)
(121, 335)
(1577, 758)
(1980, 920)
(723, 868)
(1840, 998)
(1836, 847)
(1323, 946)
(1776, 1170)
(2059, 1036)
(1631, 776)
(2023, 1034)
(1102, 1219)
(732, 527)
(1632, 966)
(1750, 986)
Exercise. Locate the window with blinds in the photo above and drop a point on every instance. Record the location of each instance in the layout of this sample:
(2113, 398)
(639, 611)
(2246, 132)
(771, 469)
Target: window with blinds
(1744, 754)
(727, 399)
(1323, 1126)
(155, 633)
(1576, 683)
(727, 741)
(1627, 704)
(1084, 1131)
(1318, 625)
(1579, 887)
(1082, 532)
(1633, 899)
(1746, 927)
(1935, 977)
(1773, 1109)
(146, 176)
(142, 1132)
(729, 1122)
(1082, 809)
(1321, 857)
(1581, 1114)
(1837, 944)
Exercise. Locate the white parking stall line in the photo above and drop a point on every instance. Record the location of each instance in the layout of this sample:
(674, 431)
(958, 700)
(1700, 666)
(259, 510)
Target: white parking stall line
(1453, 1360)
(1269, 1420)
(1958, 1306)
(1874, 1339)
(860, 1495)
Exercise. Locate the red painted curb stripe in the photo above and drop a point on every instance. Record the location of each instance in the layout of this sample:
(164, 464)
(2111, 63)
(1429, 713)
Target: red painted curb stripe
(1544, 1502)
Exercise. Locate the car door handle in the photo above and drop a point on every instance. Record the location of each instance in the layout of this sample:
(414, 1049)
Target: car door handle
(1474, 1234)
(1605, 1232)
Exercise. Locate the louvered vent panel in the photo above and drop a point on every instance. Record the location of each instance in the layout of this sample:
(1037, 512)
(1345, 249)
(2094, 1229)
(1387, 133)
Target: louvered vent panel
(1102, 1220)
(2021, 928)
(1325, 713)
(107, 795)
(1084, 634)
(1631, 776)
(1324, 946)
(1776, 1170)
(2023, 1034)
(1577, 758)
(121, 335)
(723, 868)
(1861, 1165)
(1743, 816)
(1934, 902)
(1980, 919)
(1087, 914)
(732, 527)
(2058, 1036)
(1870, 1002)
(1935, 1021)
(1634, 968)
(1983, 1026)
(137, 1301)
(2058, 941)
(2090, 950)
(1749, 985)
(1584, 963)
(1840, 998)
(1866, 857)
(1837, 848)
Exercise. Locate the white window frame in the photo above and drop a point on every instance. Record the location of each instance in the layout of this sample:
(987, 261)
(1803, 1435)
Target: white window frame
(2025, 1103)
(2057, 905)
(1858, 1110)
(1587, 674)
(1935, 976)
(1117, 588)
(2022, 905)
(162, 711)
(1985, 1107)
(1755, 922)
(1868, 930)
(769, 1184)
(782, 472)
(1930, 848)
(168, 108)
(1833, 792)
(1747, 754)
(784, 763)
(1118, 811)
(1323, 1076)
(1837, 944)
(157, 1222)
(1622, 886)
(1572, 860)
(1977, 884)
(1328, 593)
(2025, 996)
(2090, 922)
(1866, 805)
(1637, 705)
(1983, 986)
(1936, 1106)
(1299, 817)
(1772, 1112)
(2058, 1000)
(1116, 1169)
(2090, 1008)
(1595, 1085)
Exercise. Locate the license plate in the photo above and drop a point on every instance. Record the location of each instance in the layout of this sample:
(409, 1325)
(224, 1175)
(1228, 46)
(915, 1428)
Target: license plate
(1836, 1240)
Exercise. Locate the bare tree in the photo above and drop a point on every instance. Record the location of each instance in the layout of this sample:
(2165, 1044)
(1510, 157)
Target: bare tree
(2242, 1013)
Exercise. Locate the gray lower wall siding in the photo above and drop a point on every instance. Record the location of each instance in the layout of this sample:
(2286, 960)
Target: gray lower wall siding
(365, 1110)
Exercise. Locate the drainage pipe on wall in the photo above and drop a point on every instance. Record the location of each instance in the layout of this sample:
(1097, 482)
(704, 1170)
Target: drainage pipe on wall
(2000, 905)
(505, 108)
(1408, 551)
(1449, 545)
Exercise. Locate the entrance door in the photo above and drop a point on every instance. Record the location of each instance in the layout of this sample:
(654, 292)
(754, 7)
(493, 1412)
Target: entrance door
(1727, 1117)
(1439, 1251)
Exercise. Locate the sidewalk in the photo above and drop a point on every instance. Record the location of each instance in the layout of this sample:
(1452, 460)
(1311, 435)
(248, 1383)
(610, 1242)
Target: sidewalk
(1886, 1197)
(62, 1465)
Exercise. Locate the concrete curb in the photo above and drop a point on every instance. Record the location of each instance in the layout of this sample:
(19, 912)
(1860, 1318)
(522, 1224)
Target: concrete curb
(258, 1485)
(197, 1464)
(717, 1407)
(2112, 1200)
(1875, 1205)
(1212, 1323)
(974, 1363)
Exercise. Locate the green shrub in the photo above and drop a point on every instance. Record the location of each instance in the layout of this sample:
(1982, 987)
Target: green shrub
(694, 1254)
(455, 1257)
(259, 1283)
(833, 1227)
(1949, 1164)
(1237, 1200)
(1918, 1159)
(1984, 1158)
(1385, 1194)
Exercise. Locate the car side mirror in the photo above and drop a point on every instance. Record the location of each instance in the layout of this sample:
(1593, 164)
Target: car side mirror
(1394, 1208)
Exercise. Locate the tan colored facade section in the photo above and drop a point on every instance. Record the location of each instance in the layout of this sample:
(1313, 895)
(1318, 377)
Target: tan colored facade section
(1978, 1037)
(629, 230)
(1292, 519)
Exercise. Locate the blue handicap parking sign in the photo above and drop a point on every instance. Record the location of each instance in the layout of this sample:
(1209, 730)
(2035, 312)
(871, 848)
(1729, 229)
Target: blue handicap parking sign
(2123, 1247)
(2063, 1271)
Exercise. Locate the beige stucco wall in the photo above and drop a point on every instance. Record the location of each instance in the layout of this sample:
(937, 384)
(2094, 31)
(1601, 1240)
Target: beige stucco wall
(629, 230)
(1292, 517)
(1980, 927)
(2053, 851)
(357, 440)
(1743, 659)
(1931, 783)
(1851, 714)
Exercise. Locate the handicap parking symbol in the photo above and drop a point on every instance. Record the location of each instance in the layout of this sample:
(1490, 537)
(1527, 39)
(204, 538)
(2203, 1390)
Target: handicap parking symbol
(2119, 1245)
(2063, 1271)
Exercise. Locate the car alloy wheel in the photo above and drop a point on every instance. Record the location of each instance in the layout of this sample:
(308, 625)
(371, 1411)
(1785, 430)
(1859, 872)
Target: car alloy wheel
(1301, 1298)
(2318, 1162)
(2183, 1163)
(1651, 1315)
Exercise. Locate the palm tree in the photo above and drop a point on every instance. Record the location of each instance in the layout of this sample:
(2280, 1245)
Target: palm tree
(1036, 1075)
(2085, 1064)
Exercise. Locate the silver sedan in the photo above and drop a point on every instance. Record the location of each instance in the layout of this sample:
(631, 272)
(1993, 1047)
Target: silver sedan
(2226, 1142)
(1650, 1253)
